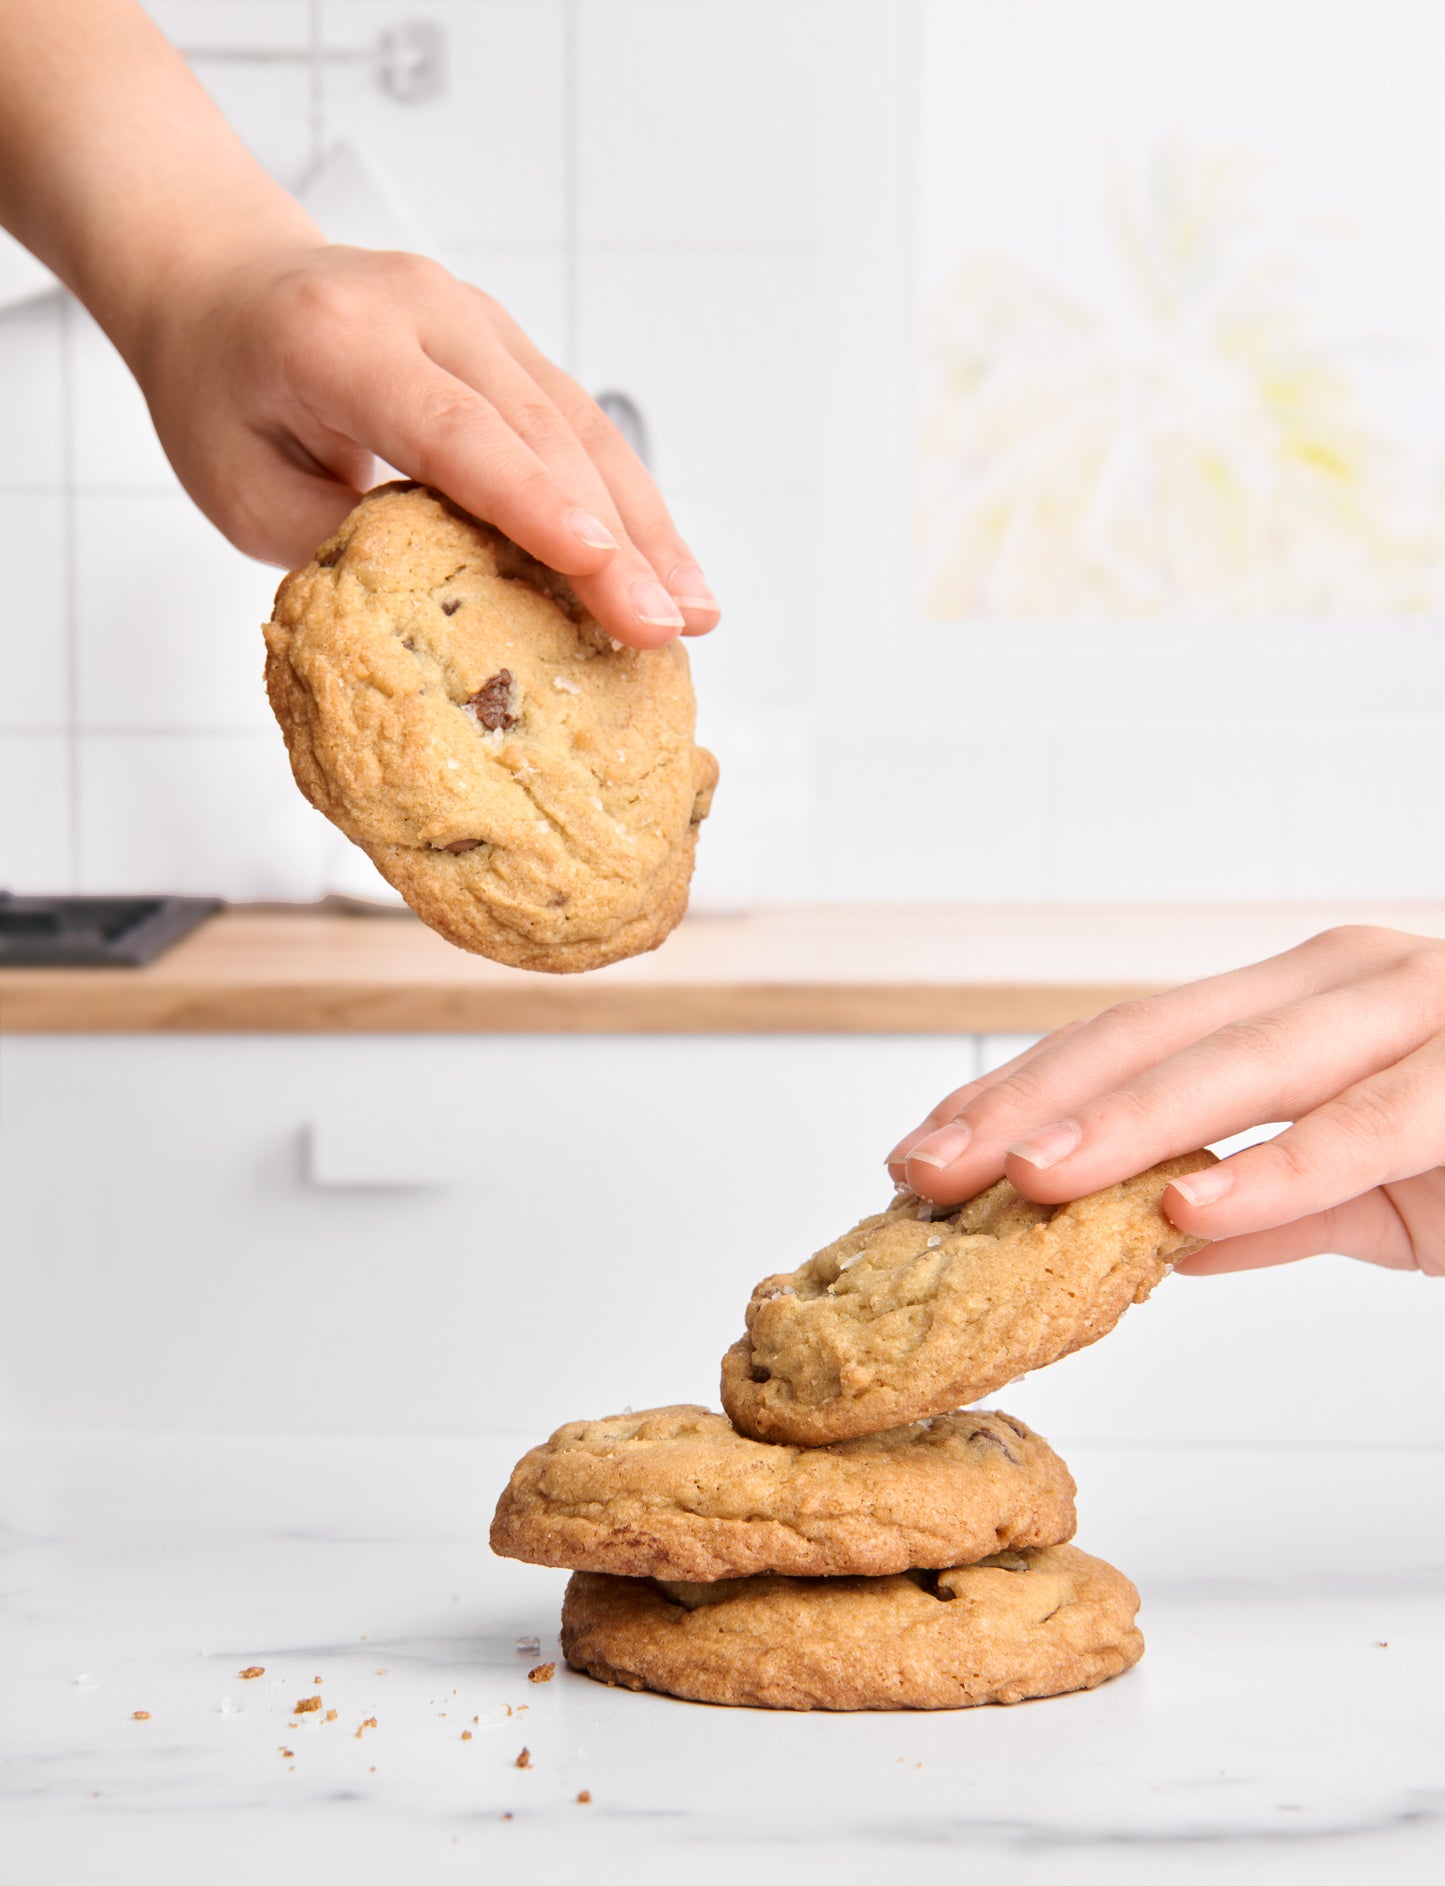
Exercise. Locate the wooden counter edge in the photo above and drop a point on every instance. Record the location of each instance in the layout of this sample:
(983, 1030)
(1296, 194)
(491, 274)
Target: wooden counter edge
(52, 1006)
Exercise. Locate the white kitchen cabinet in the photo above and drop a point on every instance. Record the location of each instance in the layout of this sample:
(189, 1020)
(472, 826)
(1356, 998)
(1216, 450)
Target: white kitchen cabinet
(474, 1232)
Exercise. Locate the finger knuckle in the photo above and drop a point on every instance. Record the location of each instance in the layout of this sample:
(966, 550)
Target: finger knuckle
(1264, 1039)
(1356, 940)
(539, 422)
(412, 274)
(1366, 1116)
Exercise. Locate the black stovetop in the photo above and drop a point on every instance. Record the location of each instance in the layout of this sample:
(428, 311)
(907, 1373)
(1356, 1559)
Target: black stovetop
(91, 932)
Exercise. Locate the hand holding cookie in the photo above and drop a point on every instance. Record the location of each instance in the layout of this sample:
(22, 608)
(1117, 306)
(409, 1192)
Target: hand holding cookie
(273, 386)
(1344, 1036)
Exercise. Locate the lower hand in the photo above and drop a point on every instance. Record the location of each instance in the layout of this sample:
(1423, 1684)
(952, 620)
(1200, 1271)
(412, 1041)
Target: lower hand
(273, 384)
(1343, 1036)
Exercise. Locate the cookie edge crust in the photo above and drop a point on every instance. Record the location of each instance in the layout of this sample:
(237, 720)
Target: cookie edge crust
(693, 1547)
(619, 1637)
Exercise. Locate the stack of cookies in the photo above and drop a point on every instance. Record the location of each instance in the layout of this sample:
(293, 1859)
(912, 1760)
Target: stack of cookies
(810, 1549)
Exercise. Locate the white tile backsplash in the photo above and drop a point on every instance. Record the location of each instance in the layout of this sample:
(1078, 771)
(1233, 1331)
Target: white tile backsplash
(34, 612)
(115, 443)
(35, 812)
(694, 122)
(486, 162)
(1364, 812)
(168, 618)
(1185, 813)
(718, 350)
(921, 807)
(760, 840)
(32, 394)
(761, 555)
(531, 285)
(209, 813)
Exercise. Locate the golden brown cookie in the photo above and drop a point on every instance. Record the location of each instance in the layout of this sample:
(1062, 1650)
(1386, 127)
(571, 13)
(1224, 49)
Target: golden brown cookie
(529, 786)
(678, 1493)
(1015, 1625)
(918, 1310)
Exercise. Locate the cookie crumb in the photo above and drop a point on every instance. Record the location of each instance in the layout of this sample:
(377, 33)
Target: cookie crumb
(370, 1723)
(288, 1752)
(1382, 1643)
(306, 1704)
(466, 1735)
(543, 1673)
(381, 1672)
(584, 1797)
(140, 1715)
(252, 1669)
(524, 1760)
(331, 1715)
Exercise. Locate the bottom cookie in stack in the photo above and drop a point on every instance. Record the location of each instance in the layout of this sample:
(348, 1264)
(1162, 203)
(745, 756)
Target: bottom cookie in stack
(921, 1568)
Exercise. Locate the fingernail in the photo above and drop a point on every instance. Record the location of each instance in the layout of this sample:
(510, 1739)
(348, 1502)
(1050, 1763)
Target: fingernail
(689, 588)
(590, 530)
(1204, 1188)
(1049, 1145)
(652, 604)
(943, 1147)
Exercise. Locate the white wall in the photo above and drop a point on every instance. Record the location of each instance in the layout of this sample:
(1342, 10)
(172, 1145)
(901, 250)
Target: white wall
(704, 203)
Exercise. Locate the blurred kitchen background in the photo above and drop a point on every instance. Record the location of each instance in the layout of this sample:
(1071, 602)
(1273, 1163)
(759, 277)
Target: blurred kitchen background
(1053, 395)
(764, 222)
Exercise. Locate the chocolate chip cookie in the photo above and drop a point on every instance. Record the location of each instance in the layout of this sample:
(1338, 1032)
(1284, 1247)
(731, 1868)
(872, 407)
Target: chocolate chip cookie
(529, 786)
(1014, 1625)
(678, 1493)
(918, 1310)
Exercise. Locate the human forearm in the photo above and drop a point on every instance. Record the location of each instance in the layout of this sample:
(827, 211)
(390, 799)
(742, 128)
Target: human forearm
(115, 167)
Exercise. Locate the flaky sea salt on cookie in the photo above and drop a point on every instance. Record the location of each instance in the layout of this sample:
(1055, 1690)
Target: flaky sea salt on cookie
(1015, 1625)
(531, 787)
(678, 1493)
(918, 1310)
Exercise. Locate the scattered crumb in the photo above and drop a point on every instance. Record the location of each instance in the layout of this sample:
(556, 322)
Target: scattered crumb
(140, 1715)
(466, 1735)
(253, 1669)
(331, 1715)
(524, 1760)
(506, 1817)
(543, 1673)
(584, 1798)
(507, 1707)
(370, 1723)
(1382, 1643)
(371, 1771)
(307, 1704)
(289, 1753)
(476, 1718)
(316, 1679)
(522, 1708)
(381, 1673)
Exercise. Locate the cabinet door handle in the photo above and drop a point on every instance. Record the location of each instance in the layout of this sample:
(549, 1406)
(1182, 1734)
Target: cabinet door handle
(370, 1150)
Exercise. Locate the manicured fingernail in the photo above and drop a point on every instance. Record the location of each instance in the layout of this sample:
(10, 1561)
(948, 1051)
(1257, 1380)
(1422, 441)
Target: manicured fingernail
(1049, 1145)
(943, 1147)
(590, 530)
(689, 588)
(652, 604)
(1204, 1188)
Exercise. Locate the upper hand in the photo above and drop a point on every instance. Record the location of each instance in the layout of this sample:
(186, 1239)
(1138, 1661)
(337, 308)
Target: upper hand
(1344, 1036)
(272, 388)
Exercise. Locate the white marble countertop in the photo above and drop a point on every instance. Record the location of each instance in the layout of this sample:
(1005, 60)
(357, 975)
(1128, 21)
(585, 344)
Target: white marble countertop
(1287, 1722)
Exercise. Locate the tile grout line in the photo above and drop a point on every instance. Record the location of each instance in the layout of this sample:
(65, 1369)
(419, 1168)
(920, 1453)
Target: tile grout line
(571, 260)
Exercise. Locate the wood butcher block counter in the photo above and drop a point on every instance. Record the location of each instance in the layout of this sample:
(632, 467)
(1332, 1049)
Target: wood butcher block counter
(804, 969)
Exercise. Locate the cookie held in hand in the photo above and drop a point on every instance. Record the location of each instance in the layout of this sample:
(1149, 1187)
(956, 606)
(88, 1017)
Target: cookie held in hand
(919, 1309)
(530, 787)
(1015, 1625)
(678, 1493)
